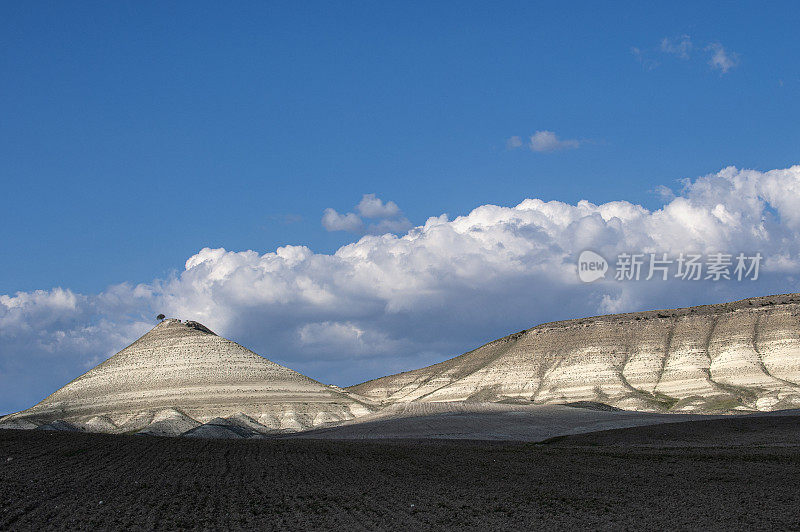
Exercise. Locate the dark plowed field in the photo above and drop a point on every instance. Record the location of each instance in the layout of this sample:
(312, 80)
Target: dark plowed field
(81, 481)
(749, 431)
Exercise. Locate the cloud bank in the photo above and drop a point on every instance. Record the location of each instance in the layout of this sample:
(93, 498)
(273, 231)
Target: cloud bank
(389, 302)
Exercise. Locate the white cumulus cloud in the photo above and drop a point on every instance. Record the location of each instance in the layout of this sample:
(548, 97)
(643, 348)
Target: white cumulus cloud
(388, 218)
(371, 206)
(333, 221)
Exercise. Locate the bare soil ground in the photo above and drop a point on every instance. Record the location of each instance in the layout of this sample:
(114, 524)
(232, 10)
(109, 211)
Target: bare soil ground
(56, 480)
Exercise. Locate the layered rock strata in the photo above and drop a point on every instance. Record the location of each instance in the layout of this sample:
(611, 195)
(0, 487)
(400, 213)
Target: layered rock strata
(179, 375)
(734, 356)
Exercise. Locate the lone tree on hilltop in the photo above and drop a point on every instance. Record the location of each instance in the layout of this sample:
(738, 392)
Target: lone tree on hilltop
(160, 317)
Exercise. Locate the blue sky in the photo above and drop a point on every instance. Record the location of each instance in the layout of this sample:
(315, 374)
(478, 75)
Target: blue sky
(134, 135)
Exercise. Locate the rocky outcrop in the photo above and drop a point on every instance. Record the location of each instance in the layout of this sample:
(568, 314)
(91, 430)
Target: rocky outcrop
(180, 375)
(716, 358)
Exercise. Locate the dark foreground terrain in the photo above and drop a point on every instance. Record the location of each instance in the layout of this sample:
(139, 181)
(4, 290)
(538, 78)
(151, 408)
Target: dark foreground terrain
(639, 478)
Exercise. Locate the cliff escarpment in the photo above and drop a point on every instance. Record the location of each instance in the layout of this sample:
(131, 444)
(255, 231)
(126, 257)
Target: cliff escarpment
(743, 355)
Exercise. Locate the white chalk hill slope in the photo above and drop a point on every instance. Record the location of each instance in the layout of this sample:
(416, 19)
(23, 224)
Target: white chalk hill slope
(740, 356)
(180, 375)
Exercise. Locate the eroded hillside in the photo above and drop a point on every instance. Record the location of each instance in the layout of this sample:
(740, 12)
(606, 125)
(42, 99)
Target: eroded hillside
(181, 374)
(743, 355)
